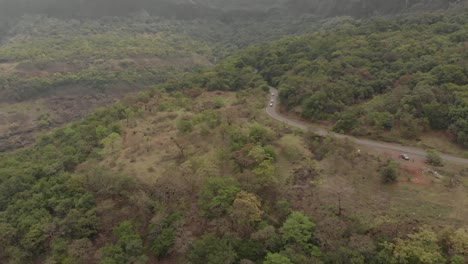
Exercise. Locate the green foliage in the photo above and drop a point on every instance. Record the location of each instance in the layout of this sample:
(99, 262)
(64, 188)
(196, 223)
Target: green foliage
(163, 235)
(298, 230)
(259, 154)
(237, 139)
(390, 171)
(259, 134)
(383, 120)
(39, 200)
(219, 102)
(246, 208)
(434, 158)
(164, 242)
(345, 123)
(217, 196)
(184, 125)
(265, 173)
(457, 260)
(420, 247)
(458, 243)
(249, 249)
(372, 75)
(276, 258)
(127, 249)
(210, 249)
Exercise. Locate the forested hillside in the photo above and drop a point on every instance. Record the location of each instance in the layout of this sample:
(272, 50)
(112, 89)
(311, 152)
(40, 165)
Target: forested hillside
(398, 78)
(201, 177)
(137, 132)
(56, 70)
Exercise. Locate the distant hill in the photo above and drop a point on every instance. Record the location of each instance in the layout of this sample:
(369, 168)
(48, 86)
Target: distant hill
(369, 7)
(243, 4)
(191, 9)
(98, 8)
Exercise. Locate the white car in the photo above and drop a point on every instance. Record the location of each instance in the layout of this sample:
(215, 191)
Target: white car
(271, 104)
(404, 156)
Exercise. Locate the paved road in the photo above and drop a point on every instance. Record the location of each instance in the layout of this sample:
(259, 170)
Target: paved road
(412, 151)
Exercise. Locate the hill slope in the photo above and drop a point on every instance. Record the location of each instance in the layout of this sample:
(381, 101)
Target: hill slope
(378, 78)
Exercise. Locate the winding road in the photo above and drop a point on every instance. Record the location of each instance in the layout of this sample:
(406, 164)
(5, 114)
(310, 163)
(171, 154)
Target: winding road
(412, 151)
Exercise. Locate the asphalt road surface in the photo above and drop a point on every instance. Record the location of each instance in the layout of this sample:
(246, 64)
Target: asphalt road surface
(412, 151)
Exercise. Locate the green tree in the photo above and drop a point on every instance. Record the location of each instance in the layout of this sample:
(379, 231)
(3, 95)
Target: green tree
(112, 144)
(246, 208)
(265, 174)
(164, 242)
(434, 158)
(437, 115)
(298, 230)
(217, 196)
(276, 258)
(458, 243)
(128, 249)
(259, 154)
(184, 125)
(346, 123)
(219, 102)
(390, 171)
(383, 120)
(450, 74)
(259, 134)
(419, 248)
(210, 249)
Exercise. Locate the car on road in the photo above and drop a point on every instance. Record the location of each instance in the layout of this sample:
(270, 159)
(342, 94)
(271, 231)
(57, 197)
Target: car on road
(404, 156)
(271, 104)
(272, 94)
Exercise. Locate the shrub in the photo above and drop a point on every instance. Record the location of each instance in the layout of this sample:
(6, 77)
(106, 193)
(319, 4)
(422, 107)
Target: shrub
(390, 172)
(434, 158)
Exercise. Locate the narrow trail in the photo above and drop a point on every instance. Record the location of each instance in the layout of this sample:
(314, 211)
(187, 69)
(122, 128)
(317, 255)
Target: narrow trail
(271, 111)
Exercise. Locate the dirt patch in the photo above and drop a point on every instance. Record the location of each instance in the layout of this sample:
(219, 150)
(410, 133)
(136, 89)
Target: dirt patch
(7, 68)
(417, 175)
(72, 107)
(411, 171)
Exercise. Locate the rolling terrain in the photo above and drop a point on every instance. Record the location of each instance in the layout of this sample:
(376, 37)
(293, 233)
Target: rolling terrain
(136, 132)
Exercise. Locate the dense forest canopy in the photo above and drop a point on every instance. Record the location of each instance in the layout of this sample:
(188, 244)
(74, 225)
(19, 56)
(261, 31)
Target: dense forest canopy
(406, 75)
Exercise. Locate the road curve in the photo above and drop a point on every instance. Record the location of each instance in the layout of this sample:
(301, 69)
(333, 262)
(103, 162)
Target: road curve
(271, 111)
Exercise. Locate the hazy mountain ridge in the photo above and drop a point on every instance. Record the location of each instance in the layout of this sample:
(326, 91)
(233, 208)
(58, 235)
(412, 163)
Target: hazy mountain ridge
(370, 7)
(190, 9)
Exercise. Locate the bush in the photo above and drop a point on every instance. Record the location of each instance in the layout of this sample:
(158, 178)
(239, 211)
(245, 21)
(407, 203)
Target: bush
(212, 250)
(184, 125)
(276, 258)
(219, 102)
(217, 196)
(434, 158)
(164, 242)
(390, 172)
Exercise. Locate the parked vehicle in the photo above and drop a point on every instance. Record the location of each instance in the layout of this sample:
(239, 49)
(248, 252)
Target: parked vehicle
(404, 156)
